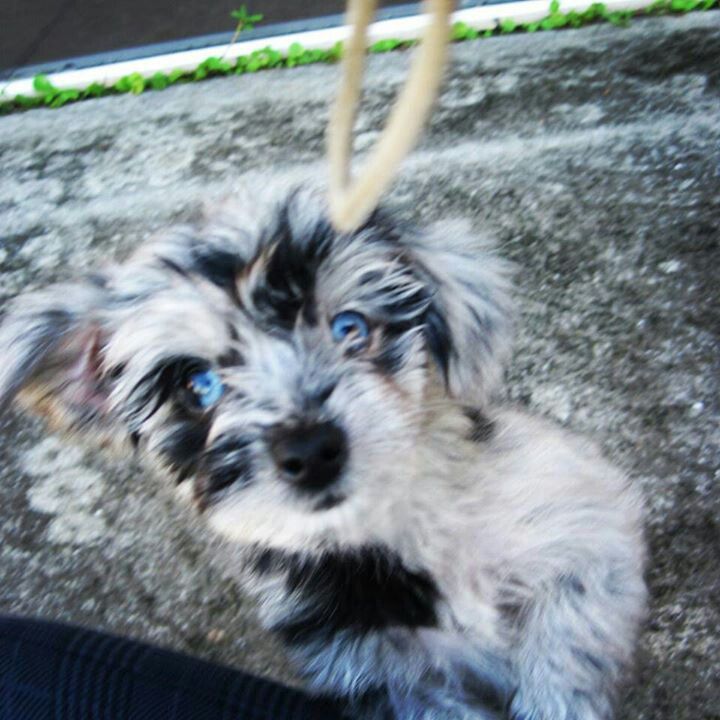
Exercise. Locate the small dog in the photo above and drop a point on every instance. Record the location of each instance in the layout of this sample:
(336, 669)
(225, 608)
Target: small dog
(422, 553)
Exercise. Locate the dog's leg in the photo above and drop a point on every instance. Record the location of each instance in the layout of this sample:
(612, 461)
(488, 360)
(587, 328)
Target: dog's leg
(573, 643)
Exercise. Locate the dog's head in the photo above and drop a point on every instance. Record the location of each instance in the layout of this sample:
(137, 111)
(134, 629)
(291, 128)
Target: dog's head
(283, 368)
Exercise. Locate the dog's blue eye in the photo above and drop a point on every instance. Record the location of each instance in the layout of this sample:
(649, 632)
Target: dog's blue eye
(207, 387)
(349, 323)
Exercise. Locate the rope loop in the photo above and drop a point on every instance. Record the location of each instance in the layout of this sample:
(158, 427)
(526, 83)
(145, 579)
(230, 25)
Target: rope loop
(351, 203)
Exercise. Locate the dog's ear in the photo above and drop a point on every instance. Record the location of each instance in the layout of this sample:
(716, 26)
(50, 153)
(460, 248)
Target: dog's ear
(468, 322)
(50, 344)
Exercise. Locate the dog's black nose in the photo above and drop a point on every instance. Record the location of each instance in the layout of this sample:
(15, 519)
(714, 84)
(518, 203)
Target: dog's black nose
(309, 456)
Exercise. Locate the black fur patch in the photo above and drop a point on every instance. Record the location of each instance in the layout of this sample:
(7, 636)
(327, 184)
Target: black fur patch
(231, 358)
(360, 591)
(487, 692)
(401, 308)
(216, 265)
(227, 462)
(391, 357)
(482, 429)
(385, 226)
(220, 267)
(183, 448)
(289, 282)
(174, 267)
(157, 386)
(401, 314)
(439, 339)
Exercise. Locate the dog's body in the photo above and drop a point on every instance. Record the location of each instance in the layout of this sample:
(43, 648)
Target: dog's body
(513, 574)
(422, 553)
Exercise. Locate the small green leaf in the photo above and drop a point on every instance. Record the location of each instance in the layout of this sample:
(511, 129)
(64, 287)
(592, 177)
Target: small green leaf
(295, 50)
(553, 21)
(590, 14)
(137, 83)
(459, 31)
(27, 102)
(212, 65)
(462, 31)
(42, 85)
(94, 90)
(274, 58)
(264, 58)
(294, 53)
(133, 83)
(335, 52)
(159, 81)
(619, 18)
(63, 97)
(574, 19)
(244, 20)
(382, 46)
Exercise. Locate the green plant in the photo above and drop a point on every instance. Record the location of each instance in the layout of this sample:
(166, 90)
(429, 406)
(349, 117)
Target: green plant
(212, 66)
(50, 96)
(680, 6)
(133, 83)
(382, 46)
(244, 21)
(462, 31)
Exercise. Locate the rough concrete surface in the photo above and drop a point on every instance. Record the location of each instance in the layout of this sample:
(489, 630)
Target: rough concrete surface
(593, 156)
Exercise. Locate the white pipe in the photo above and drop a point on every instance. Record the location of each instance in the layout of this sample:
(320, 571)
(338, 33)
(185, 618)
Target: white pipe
(404, 28)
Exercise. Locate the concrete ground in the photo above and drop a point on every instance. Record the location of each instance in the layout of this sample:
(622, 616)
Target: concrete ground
(594, 158)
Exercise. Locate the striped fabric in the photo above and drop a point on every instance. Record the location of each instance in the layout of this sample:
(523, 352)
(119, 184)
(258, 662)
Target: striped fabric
(57, 672)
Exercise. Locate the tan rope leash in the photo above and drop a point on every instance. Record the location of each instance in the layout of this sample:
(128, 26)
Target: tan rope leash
(351, 203)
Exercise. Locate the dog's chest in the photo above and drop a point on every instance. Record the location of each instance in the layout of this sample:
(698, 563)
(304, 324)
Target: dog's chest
(358, 591)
